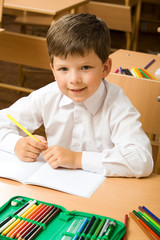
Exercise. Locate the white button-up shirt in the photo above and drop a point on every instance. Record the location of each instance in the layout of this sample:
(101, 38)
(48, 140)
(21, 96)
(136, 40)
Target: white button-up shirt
(105, 128)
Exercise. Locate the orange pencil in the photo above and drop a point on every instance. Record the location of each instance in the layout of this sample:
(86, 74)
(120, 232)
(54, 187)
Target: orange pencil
(149, 229)
(138, 72)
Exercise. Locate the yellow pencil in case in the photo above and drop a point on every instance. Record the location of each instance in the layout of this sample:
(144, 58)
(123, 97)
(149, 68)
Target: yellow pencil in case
(21, 127)
(135, 72)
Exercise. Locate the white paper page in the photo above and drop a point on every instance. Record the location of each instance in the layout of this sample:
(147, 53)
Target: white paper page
(11, 167)
(76, 182)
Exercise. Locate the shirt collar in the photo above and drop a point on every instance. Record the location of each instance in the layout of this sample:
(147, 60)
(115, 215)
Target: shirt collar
(93, 103)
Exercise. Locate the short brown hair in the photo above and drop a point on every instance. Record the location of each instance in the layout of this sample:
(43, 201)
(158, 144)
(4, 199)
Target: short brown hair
(76, 34)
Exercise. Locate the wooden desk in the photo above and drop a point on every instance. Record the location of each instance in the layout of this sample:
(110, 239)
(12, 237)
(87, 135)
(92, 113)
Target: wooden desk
(128, 59)
(48, 7)
(142, 92)
(114, 198)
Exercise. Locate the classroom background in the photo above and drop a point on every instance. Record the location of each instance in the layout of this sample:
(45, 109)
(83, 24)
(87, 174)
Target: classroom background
(148, 41)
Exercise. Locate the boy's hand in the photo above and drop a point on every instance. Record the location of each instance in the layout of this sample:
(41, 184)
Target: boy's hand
(28, 149)
(58, 156)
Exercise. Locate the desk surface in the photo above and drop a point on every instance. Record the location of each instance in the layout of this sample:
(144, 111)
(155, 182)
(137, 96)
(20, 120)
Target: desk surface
(129, 59)
(45, 7)
(114, 198)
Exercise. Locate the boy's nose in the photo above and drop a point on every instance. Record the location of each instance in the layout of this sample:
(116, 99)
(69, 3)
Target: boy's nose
(75, 78)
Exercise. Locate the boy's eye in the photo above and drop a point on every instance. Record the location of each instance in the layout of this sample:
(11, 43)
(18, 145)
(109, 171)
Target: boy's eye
(86, 67)
(63, 69)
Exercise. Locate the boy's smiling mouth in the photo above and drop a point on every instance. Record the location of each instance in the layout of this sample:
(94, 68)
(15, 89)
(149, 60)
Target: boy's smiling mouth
(78, 90)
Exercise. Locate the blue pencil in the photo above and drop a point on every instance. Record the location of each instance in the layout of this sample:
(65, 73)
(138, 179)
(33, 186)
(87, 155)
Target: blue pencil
(80, 228)
(121, 71)
(151, 213)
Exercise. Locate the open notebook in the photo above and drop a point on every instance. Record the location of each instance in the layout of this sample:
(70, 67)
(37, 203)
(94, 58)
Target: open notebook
(76, 182)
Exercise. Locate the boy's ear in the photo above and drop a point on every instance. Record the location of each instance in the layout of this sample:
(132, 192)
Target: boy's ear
(51, 66)
(107, 67)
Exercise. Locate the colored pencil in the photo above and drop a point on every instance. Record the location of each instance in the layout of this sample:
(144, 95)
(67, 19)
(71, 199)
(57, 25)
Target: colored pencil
(93, 228)
(80, 229)
(125, 223)
(19, 214)
(31, 225)
(11, 226)
(138, 72)
(14, 232)
(151, 220)
(147, 222)
(116, 71)
(125, 71)
(154, 216)
(88, 227)
(104, 229)
(35, 216)
(129, 73)
(149, 75)
(149, 64)
(143, 73)
(22, 128)
(121, 70)
(133, 73)
(143, 210)
(45, 221)
(15, 213)
(141, 226)
(99, 228)
(150, 230)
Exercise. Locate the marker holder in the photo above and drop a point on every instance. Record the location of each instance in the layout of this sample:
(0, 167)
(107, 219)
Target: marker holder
(63, 226)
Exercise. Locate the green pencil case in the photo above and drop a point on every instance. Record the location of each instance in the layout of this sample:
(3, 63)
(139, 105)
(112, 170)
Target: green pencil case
(63, 226)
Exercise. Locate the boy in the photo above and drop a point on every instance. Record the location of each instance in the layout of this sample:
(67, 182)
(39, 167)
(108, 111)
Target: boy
(89, 122)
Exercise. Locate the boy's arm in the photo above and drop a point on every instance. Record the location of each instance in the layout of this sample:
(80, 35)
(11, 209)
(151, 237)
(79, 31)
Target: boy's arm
(26, 112)
(131, 152)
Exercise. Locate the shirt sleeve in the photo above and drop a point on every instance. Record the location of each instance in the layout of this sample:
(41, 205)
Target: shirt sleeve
(25, 111)
(131, 153)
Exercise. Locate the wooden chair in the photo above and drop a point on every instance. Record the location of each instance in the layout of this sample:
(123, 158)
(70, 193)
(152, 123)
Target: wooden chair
(23, 49)
(116, 16)
(1, 8)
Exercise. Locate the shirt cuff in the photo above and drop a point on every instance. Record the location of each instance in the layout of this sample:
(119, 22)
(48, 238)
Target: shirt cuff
(9, 142)
(92, 162)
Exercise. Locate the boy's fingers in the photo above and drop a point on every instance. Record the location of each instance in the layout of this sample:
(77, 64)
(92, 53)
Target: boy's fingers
(40, 145)
(41, 139)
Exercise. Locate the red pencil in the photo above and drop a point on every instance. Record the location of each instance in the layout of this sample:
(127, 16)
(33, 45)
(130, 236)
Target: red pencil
(125, 223)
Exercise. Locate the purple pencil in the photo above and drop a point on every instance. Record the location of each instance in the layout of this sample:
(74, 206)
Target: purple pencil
(153, 60)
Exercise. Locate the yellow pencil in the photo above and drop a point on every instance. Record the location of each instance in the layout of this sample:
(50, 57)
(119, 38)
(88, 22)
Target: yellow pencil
(21, 127)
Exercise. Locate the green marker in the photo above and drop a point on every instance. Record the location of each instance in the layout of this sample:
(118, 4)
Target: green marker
(109, 231)
(93, 228)
(98, 229)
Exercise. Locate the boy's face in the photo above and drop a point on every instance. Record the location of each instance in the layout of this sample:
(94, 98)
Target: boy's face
(79, 77)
